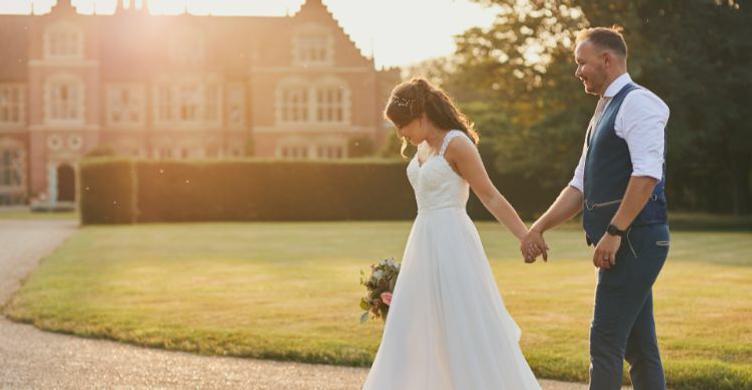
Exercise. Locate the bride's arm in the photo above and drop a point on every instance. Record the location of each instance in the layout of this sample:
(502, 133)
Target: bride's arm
(465, 159)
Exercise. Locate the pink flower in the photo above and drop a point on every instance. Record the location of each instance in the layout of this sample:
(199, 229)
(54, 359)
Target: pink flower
(386, 297)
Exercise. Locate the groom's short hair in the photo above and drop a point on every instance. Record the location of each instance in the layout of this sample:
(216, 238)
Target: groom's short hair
(609, 38)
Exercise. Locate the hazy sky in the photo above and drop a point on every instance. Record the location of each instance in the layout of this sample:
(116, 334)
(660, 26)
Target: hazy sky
(400, 32)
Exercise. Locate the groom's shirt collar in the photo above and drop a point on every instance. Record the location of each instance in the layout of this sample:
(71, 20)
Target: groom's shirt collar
(617, 85)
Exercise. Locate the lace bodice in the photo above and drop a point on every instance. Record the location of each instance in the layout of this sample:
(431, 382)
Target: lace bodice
(435, 183)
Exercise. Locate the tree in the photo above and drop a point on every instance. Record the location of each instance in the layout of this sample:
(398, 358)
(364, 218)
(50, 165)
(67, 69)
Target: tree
(527, 101)
(516, 79)
(696, 55)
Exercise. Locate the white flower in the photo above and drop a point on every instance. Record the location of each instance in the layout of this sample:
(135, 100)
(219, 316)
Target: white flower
(378, 274)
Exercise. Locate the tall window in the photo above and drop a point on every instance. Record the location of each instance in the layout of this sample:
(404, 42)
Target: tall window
(313, 45)
(294, 104)
(164, 102)
(11, 166)
(190, 103)
(212, 93)
(297, 147)
(293, 151)
(64, 41)
(165, 153)
(12, 104)
(330, 104)
(12, 172)
(236, 105)
(325, 101)
(313, 48)
(330, 151)
(64, 99)
(125, 104)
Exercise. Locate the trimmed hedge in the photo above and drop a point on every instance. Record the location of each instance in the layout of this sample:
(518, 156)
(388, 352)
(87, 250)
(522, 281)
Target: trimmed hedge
(106, 191)
(128, 191)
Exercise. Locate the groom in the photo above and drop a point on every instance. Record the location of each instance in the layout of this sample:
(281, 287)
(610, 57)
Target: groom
(619, 182)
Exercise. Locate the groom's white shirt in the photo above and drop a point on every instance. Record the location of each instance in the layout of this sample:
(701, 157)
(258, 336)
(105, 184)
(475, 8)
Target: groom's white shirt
(641, 121)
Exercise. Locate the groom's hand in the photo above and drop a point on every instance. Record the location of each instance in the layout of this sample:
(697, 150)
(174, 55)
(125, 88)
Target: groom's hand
(605, 252)
(533, 245)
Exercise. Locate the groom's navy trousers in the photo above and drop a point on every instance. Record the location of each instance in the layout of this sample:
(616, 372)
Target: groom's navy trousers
(623, 326)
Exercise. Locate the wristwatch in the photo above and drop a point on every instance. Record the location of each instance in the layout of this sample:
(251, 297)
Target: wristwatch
(614, 231)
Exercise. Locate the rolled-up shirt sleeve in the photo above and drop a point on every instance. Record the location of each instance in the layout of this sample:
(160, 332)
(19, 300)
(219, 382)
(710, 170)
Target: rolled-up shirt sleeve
(579, 172)
(641, 123)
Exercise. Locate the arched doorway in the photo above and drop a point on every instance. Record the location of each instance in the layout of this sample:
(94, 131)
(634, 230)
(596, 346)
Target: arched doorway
(66, 183)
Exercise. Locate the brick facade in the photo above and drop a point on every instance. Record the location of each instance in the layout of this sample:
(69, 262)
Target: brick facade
(181, 86)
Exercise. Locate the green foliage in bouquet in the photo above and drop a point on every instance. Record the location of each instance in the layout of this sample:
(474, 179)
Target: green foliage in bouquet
(380, 286)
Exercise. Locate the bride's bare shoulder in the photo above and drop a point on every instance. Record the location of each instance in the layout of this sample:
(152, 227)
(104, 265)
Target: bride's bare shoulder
(460, 146)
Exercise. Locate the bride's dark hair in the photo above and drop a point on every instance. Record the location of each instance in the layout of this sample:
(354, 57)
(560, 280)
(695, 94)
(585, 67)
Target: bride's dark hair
(413, 98)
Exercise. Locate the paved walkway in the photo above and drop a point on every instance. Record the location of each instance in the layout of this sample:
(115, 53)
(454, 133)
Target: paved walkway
(30, 358)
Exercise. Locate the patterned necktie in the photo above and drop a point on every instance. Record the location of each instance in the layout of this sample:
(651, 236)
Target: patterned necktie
(599, 108)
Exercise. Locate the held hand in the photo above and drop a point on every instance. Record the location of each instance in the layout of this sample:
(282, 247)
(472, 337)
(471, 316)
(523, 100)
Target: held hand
(605, 252)
(533, 245)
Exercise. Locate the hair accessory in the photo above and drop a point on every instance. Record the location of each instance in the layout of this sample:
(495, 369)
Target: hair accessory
(400, 101)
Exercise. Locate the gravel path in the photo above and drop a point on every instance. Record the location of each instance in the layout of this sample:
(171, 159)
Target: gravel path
(30, 358)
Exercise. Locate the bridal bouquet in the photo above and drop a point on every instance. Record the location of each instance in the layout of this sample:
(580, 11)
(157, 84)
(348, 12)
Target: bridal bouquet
(379, 285)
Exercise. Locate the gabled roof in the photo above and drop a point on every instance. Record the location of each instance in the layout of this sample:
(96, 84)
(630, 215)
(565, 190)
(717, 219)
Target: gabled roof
(133, 44)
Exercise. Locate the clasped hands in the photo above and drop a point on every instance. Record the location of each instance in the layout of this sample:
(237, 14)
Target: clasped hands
(533, 245)
(604, 256)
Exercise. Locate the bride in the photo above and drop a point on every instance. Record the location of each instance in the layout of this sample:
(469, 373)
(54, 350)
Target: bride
(447, 326)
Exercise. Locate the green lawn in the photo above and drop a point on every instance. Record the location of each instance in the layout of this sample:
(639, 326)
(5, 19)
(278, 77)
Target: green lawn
(290, 291)
(25, 214)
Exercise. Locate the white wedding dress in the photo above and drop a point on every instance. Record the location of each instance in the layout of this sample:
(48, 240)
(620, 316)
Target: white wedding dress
(447, 326)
